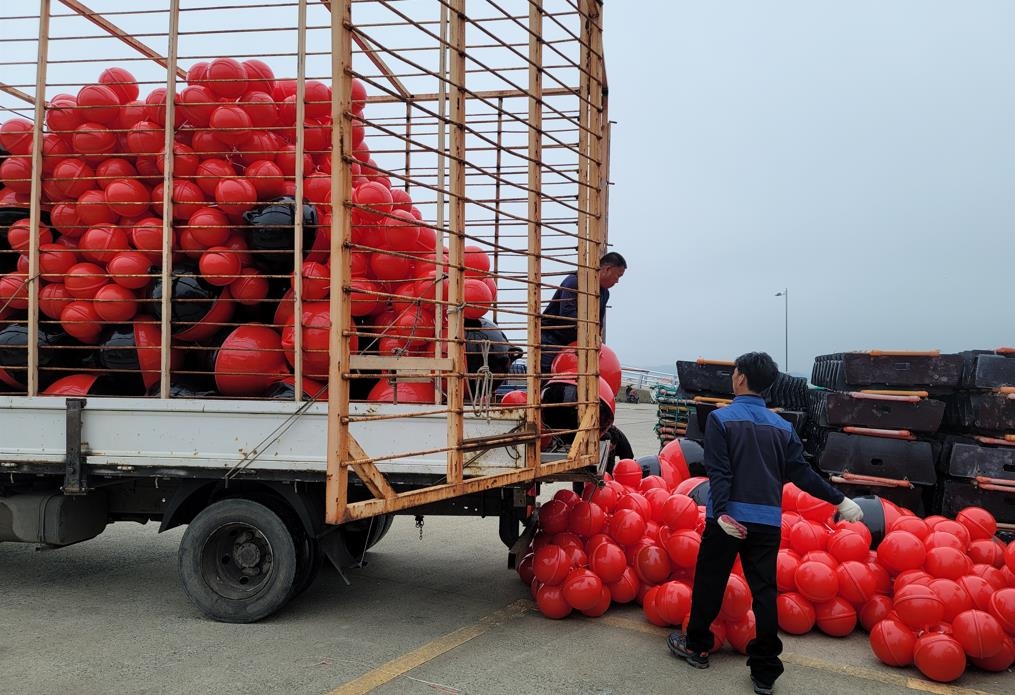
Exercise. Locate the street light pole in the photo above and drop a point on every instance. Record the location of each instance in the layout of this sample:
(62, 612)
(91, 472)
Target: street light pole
(785, 302)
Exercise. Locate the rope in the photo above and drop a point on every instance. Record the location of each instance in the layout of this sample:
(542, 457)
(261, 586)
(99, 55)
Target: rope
(272, 436)
(483, 396)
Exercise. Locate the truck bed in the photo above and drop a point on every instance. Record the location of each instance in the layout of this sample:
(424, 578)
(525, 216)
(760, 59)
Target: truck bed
(132, 436)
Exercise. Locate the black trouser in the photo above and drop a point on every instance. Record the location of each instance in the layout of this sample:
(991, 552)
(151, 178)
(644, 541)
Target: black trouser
(758, 554)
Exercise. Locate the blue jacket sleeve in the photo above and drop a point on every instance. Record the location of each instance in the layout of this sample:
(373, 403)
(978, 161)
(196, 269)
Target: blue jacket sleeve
(568, 305)
(717, 466)
(800, 473)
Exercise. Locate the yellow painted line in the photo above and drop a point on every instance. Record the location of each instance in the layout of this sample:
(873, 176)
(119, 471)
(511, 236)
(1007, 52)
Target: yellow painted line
(887, 677)
(417, 657)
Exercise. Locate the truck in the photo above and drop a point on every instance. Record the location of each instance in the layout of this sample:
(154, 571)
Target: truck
(276, 307)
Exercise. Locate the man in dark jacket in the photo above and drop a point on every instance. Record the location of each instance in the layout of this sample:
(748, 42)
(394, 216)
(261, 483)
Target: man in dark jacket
(560, 317)
(749, 453)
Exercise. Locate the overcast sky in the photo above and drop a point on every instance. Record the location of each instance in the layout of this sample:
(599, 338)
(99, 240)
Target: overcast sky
(859, 153)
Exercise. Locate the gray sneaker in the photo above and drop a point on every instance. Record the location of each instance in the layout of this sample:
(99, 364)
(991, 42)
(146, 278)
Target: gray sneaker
(677, 642)
(760, 688)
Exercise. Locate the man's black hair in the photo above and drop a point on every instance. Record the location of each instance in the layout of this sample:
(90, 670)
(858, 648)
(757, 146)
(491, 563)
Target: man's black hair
(759, 368)
(613, 259)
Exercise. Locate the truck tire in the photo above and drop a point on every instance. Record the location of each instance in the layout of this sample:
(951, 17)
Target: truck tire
(309, 559)
(238, 561)
(360, 536)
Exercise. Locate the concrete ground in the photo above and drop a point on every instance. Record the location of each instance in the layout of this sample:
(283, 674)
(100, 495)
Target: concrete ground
(437, 615)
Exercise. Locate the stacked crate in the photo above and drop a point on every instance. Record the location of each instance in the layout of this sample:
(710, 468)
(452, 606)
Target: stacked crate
(978, 462)
(707, 384)
(704, 385)
(874, 419)
(671, 413)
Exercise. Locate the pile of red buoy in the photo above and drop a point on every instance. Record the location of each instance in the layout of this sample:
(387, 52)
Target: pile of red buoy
(935, 592)
(234, 169)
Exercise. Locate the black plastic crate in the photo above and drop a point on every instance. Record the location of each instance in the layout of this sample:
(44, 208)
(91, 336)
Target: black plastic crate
(788, 392)
(972, 460)
(695, 377)
(695, 431)
(956, 495)
(870, 370)
(797, 418)
(837, 409)
(983, 412)
(897, 459)
(987, 370)
(918, 499)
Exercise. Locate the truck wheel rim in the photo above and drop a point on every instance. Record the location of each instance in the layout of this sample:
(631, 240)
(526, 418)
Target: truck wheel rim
(236, 561)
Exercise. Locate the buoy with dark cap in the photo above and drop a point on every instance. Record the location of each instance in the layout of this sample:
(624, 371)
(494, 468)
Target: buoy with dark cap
(560, 398)
(56, 351)
(271, 234)
(873, 517)
(186, 386)
(198, 309)
(248, 361)
(133, 354)
(649, 465)
(284, 389)
(697, 488)
(83, 385)
(487, 346)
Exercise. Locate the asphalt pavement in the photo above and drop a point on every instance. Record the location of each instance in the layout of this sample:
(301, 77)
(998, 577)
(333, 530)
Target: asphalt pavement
(441, 614)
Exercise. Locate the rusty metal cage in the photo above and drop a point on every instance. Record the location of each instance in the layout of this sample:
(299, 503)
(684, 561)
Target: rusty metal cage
(485, 122)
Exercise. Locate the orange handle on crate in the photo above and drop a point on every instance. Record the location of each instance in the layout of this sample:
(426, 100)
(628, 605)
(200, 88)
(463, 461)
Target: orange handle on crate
(904, 353)
(993, 440)
(718, 363)
(712, 399)
(884, 397)
(997, 484)
(875, 432)
(856, 479)
(1005, 351)
(895, 392)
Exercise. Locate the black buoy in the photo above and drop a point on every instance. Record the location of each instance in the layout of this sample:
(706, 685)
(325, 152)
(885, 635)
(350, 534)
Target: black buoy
(271, 234)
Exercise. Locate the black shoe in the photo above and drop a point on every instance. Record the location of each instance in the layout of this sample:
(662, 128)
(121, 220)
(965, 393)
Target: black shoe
(760, 688)
(677, 642)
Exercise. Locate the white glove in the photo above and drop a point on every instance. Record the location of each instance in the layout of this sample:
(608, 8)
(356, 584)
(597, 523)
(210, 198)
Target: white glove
(849, 510)
(733, 527)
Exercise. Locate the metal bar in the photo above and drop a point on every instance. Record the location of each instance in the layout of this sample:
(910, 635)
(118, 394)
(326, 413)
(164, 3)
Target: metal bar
(75, 481)
(400, 364)
(498, 152)
(35, 210)
(368, 473)
(456, 242)
(337, 486)
(371, 53)
(535, 215)
(415, 498)
(482, 94)
(298, 230)
(588, 282)
(110, 28)
(167, 200)
(17, 93)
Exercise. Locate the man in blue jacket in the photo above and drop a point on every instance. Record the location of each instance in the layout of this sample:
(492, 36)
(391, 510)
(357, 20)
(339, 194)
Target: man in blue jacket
(749, 453)
(560, 317)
